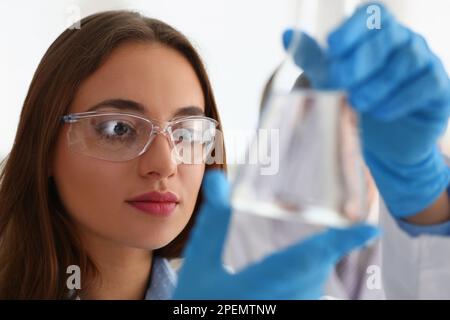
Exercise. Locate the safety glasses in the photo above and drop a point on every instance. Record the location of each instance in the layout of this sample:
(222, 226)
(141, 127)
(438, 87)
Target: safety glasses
(116, 136)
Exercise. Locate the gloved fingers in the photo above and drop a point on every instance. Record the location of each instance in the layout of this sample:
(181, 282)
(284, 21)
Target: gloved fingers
(368, 56)
(426, 188)
(312, 255)
(405, 61)
(359, 61)
(414, 94)
(355, 30)
(209, 233)
(426, 125)
(437, 112)
(266, 283)
(216, 188)
(309, 56)
(331, 245)
(300, 271)
(301, 285)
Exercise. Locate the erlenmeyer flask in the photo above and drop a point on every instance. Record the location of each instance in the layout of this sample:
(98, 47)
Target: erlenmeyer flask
(304, 169)
(315, 173)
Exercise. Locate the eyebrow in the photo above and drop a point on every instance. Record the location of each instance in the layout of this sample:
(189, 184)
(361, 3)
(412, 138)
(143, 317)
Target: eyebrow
(121, 104)
(130, 105)
(189, 111)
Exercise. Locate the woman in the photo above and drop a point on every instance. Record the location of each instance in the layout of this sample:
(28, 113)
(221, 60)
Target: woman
(101, 175)
(83, 69)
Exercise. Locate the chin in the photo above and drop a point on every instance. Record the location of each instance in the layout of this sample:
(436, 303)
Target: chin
(152, 242)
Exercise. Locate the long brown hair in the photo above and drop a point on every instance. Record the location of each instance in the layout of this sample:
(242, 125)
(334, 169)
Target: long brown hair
(37, 238)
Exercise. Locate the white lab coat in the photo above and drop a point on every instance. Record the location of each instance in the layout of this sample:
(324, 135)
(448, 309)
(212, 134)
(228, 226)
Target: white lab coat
(414, 268)
(396, 267)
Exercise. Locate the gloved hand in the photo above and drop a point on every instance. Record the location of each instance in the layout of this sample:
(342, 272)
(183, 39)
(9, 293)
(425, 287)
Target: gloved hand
(298, 272)
(402, 94)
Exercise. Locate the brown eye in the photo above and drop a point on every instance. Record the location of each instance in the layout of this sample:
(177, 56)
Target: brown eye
(120, 129)
(115, 129)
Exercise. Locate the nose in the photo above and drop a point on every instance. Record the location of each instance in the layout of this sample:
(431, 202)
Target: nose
(157, 160)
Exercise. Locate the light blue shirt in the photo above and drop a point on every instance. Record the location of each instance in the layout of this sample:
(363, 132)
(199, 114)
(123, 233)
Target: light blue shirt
(162, 280)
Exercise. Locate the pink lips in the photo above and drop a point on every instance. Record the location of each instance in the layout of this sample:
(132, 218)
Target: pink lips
(155, 203)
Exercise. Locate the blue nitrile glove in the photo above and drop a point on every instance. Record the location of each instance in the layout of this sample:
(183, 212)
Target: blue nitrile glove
(402, 94)
(298, 272)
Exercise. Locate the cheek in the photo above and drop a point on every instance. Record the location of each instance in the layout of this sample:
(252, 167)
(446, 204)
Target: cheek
(91, 190)
(190, 177)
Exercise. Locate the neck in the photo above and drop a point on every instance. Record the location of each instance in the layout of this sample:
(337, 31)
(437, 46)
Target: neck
(124, 271)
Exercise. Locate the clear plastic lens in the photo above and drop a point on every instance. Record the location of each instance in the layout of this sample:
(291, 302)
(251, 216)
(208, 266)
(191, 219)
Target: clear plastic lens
(317, 176)
(190, 131)
(115, 129)
(193, 139)
(119, 137)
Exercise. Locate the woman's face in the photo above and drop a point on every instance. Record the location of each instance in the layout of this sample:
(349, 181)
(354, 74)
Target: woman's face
(95, 192)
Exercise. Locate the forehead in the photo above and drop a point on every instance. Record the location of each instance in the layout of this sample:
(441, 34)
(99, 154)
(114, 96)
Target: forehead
(155, 76)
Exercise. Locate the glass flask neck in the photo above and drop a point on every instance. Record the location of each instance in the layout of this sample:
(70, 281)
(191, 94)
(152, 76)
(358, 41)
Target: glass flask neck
(317, 18)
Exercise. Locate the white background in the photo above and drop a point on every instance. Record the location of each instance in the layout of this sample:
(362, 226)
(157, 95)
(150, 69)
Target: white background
(240, 42)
